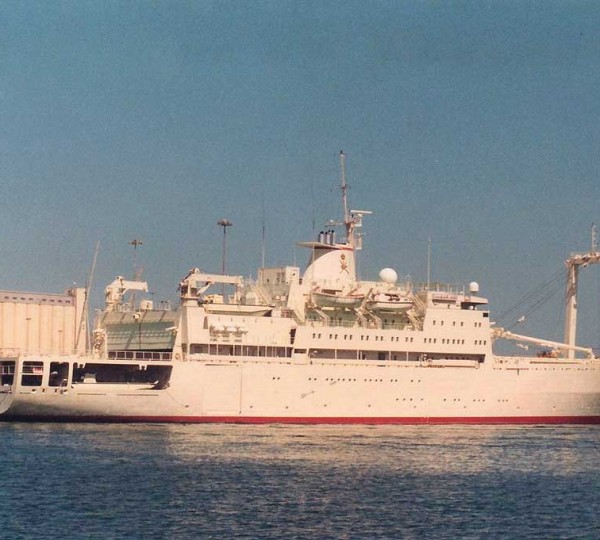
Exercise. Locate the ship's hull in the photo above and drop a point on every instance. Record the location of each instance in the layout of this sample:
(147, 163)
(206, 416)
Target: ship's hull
(510, 391)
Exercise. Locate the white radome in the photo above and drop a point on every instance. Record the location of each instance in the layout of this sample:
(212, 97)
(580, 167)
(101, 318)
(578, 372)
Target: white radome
(388, 275)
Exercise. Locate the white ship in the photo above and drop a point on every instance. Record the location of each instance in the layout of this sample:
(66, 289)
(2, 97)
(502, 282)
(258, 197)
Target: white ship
(315, 347)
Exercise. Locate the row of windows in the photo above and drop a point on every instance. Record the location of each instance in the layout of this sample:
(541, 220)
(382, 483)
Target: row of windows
(350, 337)
(408, 356)
(240, 350)
(39, 300)
(444, 341)
(476, 324)
(434, 322)
(407, 339)
(139, 355)
(447, 341)
(219, 349)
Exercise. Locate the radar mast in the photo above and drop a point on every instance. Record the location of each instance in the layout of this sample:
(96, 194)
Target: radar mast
(352, 218)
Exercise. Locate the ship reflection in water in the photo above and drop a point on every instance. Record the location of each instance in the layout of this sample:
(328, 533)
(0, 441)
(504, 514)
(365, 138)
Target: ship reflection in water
(217, 481)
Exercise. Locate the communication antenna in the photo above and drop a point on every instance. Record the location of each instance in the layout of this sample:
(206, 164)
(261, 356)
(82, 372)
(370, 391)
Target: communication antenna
(349, 221)
(428, 263)
(264, 235)
(313, 222)
(83, 322)
(352, 218)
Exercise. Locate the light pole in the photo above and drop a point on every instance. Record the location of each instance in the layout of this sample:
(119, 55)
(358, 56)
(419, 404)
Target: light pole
(135, 243)
(224, 223)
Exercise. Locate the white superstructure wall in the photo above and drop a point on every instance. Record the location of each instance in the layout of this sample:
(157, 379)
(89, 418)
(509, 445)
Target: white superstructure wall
(34, 323)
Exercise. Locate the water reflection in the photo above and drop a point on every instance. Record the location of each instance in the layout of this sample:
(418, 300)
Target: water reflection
(423, 449)
(281, 481)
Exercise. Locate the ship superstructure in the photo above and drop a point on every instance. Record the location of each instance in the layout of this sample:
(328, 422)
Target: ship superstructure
(311, 346)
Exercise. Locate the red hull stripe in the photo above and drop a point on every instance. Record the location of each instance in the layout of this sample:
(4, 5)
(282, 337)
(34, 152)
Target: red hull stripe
(313, 420)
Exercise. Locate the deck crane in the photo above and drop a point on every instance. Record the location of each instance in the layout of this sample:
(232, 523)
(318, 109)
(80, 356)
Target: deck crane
(574, 263)
(113, 294)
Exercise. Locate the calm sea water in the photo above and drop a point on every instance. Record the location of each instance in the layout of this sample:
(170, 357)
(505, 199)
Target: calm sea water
(219, 481)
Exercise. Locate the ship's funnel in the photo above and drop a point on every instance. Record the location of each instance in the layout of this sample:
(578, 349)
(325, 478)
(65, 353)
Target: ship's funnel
(331, 266)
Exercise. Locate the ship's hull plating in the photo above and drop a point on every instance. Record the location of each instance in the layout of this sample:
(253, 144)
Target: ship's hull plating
(511, 391)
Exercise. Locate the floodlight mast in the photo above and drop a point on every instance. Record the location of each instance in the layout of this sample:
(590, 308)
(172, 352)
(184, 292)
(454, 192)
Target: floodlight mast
(224, 223)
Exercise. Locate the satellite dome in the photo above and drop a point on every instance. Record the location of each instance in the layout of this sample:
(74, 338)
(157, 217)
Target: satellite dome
(473, 287)
(388, 275)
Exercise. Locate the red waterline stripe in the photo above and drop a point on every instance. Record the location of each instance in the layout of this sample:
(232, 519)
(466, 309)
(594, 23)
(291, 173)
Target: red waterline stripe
(521, 420)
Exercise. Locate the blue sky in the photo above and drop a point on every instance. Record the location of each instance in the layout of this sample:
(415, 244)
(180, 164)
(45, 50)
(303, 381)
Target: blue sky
(473, 123)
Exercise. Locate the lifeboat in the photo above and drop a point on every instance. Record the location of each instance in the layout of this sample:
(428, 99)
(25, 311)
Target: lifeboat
(337, 299)
(389, 302)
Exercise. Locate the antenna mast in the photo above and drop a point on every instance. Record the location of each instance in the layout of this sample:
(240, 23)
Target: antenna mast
(264, 234)
(349, 221)
(428, 263)
(344, 186)
(352, 218)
